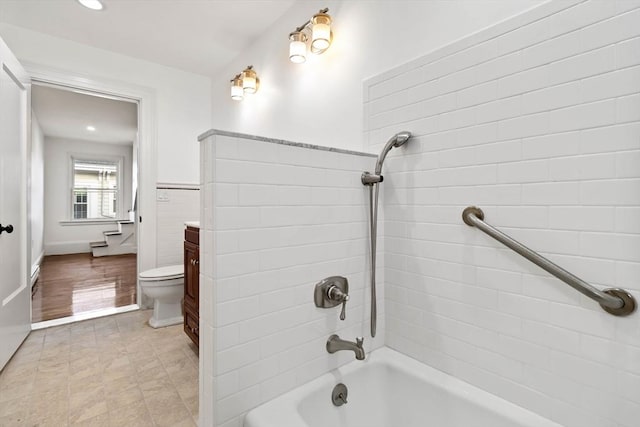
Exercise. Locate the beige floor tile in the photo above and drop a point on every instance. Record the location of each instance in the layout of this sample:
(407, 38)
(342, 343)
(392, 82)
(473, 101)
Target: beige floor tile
(18, 369)
(122, 392)
(186, 375)
(86, 405)
(167, 409)
(192, 405)
(135, 414)
(57, 384)
(16, 391)
(81, 369)
(17, 379)
(117, 368)
(101, 420)
(170, 355)
(153, 386)
(183, 423)
(83, 385)
(13, 406)
(18, 418)
(85, 354)
(153, 373)
(187, 390)
(53, 365)
(55, 398)
(50, 421)
(174, 366)
(48, 411)
(143, 361)
(25, 357)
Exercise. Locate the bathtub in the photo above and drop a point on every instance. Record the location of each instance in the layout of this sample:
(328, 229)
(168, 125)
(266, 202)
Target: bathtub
(389, 389)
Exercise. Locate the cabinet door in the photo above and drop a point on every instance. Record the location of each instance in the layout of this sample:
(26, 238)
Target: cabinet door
(191, 275)
(192, 325)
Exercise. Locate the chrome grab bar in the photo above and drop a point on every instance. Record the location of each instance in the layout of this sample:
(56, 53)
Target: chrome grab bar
(614, 300)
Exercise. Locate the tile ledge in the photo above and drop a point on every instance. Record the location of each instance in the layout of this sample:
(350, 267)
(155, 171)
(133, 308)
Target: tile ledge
(212, 132)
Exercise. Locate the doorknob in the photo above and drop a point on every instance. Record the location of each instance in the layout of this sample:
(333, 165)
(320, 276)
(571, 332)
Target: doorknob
(8, 228)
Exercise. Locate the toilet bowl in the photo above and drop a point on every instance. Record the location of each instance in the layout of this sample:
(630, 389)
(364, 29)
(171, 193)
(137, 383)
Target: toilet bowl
(165, 285)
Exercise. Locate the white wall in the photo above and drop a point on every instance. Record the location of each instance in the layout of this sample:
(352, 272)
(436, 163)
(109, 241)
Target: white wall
(536, 121)
(36, 214)
(320, 101)
(174, 207)
(277, 220)
(61, 239)
(183, 100)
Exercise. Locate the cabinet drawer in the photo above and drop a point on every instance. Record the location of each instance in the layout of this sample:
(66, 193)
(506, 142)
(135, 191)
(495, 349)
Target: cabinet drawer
(192, 235)
(192, 325)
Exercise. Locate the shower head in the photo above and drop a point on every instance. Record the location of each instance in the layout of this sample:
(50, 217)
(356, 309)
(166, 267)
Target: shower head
(396, 140)
(400, 138)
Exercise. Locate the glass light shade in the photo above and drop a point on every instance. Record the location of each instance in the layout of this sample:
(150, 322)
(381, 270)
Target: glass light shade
(237, 92)
(297, 47)
(92, 4)
(320, 33)
(249, 80)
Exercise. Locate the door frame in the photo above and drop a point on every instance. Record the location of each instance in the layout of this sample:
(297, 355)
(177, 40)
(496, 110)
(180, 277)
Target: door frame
(147, 153)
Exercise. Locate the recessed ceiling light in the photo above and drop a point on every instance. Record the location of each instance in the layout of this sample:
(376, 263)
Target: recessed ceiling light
(91, 128)
(92, 4)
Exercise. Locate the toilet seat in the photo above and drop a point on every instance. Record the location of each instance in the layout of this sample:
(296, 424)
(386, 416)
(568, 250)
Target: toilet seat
(169, 272)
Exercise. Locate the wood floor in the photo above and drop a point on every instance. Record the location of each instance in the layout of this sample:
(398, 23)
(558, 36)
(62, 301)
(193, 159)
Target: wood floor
(78, 283)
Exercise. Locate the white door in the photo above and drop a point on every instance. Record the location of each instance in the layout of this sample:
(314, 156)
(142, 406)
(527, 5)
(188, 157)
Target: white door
(15, 294)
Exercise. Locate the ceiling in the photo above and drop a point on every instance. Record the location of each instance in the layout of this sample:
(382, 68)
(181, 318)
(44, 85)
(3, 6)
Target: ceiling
(200, 36)
(66, 114)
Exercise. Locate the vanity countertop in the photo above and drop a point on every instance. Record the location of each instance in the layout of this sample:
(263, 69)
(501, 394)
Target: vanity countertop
(194, 224)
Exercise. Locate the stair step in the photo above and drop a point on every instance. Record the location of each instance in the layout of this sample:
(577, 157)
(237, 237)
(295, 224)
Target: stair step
(112, 233)
(98, 244)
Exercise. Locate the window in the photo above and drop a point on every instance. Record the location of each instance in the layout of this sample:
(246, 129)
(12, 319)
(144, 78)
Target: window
(95, 189)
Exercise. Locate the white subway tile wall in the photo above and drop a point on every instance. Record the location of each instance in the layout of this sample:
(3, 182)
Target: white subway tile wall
(536, 121)
(277, 219)
(174, 207)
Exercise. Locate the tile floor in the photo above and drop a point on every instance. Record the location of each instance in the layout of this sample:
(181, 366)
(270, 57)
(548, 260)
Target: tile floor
(114, 371)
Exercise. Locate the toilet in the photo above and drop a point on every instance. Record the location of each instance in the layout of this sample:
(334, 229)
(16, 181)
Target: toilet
(166, 286)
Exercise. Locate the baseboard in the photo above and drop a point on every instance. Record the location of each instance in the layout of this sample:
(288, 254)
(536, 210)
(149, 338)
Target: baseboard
(35, 273)
(64, 248)
(35, 268)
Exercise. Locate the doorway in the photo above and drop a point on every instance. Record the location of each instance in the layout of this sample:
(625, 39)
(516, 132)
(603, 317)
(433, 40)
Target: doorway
(83, 201)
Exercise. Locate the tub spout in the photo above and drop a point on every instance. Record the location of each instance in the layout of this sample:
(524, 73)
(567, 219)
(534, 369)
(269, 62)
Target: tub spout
(335, 343)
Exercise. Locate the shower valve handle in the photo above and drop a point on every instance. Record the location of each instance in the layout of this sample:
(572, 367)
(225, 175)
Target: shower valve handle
(335, 293)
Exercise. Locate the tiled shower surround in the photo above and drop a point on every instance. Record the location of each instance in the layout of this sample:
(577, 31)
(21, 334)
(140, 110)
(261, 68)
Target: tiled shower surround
(536, 121)
(277, 218)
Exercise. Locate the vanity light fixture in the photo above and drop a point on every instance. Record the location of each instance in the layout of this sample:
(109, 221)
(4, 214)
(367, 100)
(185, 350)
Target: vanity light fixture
(237, 92)
(92, 4)
(319, 30)
(247, 82)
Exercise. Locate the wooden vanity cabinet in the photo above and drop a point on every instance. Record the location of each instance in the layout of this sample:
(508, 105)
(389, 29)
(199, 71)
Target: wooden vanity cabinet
(192, 283)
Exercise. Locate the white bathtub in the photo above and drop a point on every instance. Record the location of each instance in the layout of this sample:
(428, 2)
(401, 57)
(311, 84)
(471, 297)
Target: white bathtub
(389, 389)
